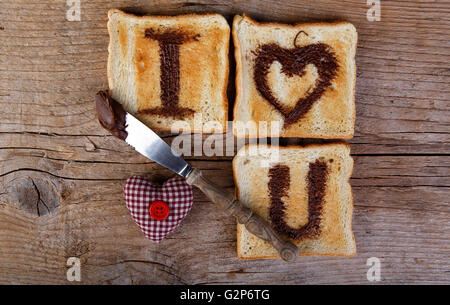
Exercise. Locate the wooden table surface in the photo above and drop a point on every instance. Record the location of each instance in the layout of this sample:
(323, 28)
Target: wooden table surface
(61, 174)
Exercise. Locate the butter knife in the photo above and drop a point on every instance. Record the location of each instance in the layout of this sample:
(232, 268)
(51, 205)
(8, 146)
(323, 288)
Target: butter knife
(125, 126)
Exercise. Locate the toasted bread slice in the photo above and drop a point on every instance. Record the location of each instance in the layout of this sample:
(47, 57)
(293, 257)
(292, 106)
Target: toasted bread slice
(167, 69)
(288, 194)
(302, 76)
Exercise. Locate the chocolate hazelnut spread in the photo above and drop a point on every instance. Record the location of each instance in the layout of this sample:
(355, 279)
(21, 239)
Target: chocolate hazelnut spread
(111, 114)
(169, 53)
(294, 62)
(278, 186)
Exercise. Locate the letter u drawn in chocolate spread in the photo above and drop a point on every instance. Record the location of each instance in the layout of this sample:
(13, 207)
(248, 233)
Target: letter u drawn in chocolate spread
(294, 62)
(278, 186)
(169, 54)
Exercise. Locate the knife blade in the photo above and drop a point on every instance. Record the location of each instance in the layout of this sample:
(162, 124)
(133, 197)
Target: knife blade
(148, 143)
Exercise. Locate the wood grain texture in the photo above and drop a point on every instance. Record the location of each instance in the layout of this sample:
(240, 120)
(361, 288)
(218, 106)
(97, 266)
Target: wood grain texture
(61, 175)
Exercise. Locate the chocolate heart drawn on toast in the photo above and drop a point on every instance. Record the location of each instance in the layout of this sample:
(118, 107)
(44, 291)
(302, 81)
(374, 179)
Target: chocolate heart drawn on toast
(293, 62)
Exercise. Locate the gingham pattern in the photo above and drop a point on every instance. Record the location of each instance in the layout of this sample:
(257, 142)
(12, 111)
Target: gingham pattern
(140, 192)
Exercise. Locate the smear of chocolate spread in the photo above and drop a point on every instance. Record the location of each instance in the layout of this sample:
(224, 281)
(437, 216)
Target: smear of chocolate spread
(111, 114)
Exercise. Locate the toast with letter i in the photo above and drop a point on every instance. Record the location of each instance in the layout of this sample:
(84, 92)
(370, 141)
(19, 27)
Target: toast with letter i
(165, 69)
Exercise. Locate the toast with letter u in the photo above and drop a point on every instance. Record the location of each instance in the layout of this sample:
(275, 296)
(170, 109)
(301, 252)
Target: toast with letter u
(305, 194)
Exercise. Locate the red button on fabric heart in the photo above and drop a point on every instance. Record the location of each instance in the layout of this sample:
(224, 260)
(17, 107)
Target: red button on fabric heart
(159, 210)
(140, 193)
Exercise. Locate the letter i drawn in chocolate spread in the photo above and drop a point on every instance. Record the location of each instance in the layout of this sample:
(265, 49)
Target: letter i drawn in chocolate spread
(169, 54)
(278, 187)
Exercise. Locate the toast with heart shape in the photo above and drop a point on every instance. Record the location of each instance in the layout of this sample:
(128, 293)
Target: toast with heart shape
(301, 76)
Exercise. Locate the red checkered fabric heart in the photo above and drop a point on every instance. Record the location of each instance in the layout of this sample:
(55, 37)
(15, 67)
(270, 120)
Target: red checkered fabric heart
(140, 193)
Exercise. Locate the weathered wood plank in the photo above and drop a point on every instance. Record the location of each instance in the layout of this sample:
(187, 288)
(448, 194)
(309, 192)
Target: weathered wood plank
(401, 218)
(369, 170)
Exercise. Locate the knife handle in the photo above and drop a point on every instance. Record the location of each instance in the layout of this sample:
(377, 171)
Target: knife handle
(252, 222)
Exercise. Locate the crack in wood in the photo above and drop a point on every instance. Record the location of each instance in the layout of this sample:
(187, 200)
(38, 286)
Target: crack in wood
(39, 199)
(163, 267)
(57, 176)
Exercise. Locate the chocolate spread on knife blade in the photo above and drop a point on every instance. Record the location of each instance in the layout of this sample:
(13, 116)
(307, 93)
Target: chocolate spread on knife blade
(294, 62)
(278, 186)
(111, 114)
(169, 53)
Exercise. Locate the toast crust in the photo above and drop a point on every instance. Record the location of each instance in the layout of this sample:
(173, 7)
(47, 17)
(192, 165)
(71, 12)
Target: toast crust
(266, 111)
(240, 227)
(211, 102)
